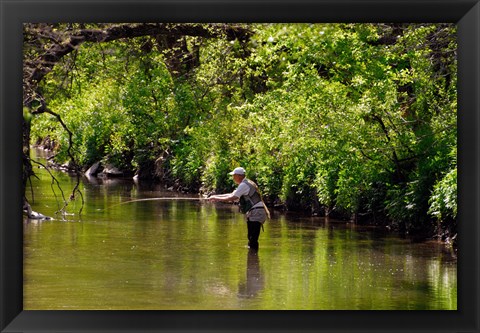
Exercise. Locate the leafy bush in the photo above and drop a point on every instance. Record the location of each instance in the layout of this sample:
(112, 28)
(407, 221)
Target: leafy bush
(356, 117)
(443, 202)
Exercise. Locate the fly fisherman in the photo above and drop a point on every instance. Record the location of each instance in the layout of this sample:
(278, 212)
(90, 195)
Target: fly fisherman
(251, 204)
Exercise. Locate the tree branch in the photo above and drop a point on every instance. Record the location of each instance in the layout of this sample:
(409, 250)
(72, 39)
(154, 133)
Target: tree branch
(70, 42)
(44, 109)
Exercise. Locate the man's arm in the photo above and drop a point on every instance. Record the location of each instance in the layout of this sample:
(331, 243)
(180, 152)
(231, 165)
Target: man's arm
(229, 197)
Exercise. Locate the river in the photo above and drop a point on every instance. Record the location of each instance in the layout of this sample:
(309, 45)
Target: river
(191, 254)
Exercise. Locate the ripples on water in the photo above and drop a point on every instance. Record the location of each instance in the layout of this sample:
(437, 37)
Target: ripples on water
(189, 254)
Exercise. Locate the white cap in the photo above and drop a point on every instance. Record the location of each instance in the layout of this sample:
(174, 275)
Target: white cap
(238, 171)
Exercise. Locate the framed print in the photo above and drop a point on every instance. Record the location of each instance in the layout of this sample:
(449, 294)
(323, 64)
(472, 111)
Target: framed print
(356, 122)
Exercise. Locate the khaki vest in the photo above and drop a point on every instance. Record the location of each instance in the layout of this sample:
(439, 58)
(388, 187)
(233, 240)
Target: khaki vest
(251, 199)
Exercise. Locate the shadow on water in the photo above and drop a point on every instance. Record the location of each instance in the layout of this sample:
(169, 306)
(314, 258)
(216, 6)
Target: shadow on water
(254, 282)
(181, 254)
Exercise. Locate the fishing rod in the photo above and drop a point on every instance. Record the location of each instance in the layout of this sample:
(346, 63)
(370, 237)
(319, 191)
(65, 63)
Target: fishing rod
(158, 199)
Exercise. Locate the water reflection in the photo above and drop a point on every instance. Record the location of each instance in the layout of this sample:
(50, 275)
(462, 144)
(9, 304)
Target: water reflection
(180, 254)
(254, 282)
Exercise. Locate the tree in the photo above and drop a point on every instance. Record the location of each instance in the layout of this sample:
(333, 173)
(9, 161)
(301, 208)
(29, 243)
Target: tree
(46, 44)
(348, 120)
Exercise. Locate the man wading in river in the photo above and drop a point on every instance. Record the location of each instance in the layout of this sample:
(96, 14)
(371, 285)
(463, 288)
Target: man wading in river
(251, 204)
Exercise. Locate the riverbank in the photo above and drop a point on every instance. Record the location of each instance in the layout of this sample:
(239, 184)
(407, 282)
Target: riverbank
(302, 205)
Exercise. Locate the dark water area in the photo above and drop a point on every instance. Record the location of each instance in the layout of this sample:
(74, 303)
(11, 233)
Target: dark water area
(191, 254)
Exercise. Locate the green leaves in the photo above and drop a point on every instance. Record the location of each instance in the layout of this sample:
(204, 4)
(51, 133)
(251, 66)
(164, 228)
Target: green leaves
(443, 202)
(358, 117)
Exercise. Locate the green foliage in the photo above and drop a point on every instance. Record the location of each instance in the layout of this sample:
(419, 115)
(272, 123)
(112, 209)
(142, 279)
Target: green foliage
(443, 202)
(358, 118)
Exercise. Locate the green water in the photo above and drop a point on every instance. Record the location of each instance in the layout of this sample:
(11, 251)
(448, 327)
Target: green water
(187, 254)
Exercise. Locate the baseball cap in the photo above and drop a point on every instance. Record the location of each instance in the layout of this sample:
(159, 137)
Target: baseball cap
(238, 171)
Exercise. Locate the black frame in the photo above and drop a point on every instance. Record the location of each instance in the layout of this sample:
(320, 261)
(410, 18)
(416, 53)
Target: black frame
(466, 13)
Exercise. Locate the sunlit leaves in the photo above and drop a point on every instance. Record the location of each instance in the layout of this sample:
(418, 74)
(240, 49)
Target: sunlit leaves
(358, 117)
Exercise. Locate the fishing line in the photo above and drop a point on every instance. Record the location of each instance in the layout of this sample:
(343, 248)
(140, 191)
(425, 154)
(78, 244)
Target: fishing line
(156, 199)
